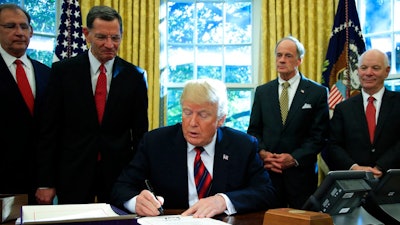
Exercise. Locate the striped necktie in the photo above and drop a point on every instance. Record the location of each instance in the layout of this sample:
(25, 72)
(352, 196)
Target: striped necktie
(202, 177)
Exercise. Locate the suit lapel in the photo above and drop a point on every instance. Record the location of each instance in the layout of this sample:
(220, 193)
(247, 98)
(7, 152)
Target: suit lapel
(221, 160)
(386, 108)
(358, 109)
(114, 93)
(298, 99)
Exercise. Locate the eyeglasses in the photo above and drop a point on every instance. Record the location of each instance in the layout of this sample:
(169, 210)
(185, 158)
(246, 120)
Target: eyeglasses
(102, 37)
(11, 26)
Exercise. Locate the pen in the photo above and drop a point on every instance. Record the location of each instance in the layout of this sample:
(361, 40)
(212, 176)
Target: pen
(150, 188)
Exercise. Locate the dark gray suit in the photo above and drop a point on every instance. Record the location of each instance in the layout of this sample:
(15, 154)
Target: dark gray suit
(72, 136)
(303, 135)
(162, 158)
(349, 135)
(18, 131)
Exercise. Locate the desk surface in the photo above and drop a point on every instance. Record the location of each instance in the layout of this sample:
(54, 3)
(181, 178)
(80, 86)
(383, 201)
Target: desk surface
(256, 218)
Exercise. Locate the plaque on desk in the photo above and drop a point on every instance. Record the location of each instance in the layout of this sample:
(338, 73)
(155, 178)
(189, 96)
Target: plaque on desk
(289, 216)
(10, 205)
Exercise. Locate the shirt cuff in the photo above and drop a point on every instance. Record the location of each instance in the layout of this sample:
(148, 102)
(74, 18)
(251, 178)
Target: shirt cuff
(230, 209)
(130, 205)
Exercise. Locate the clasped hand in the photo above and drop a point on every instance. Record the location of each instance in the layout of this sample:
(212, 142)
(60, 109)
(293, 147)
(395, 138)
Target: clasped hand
(277, 162)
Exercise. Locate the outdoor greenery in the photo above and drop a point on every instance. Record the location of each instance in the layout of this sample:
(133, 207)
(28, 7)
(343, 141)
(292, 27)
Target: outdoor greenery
(210, 39)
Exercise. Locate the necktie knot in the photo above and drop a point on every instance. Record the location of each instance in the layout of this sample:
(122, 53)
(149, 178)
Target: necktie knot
(102, 68)
(285, 85)
(18, 62)
(371, 99)
(199, 150)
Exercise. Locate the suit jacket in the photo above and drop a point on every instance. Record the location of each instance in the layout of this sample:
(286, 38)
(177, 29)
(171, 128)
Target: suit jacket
(162, 158)
(19, 129)
(71, 136)
(303, 135)
(349, 136)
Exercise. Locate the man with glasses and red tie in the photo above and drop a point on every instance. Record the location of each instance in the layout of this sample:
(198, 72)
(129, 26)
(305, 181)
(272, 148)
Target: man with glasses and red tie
(95, 117)
(364, 128)
(199, 164)
(23, 82)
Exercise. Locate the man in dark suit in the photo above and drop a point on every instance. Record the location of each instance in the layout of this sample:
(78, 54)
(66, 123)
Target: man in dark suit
(290, 140)
(19, 125)
(82, 149)
(167, 156)
(351, 146)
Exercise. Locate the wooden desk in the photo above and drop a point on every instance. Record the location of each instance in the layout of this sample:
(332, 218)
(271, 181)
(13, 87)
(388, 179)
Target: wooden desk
(254, 218)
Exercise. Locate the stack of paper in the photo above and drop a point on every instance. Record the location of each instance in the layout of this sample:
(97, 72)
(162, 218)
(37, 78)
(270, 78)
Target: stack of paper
(53, 214)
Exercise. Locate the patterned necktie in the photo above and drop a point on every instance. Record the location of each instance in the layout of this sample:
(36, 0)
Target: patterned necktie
(101, 93)
(371, 120)
(23, 85)
(284, 101)
(202, 177)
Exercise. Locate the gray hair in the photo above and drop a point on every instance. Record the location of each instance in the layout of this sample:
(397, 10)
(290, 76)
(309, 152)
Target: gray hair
(104, 13)
(207, 91)
(299, 46)
(385, 57)
(15, 7)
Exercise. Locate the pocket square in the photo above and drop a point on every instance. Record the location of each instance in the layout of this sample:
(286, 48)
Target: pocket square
(306, 106)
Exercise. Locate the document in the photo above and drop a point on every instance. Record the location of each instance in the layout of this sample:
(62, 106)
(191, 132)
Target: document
(178, 220)
(50, 214)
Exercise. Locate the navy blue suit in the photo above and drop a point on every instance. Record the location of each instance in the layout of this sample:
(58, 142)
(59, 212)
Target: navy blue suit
(349, 136)
(162, 158)
(19, 129)
(303, 135)
(71, 136)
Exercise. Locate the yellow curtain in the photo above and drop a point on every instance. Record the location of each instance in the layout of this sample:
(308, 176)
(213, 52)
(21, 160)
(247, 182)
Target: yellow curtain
(309, 21)
(140, 42)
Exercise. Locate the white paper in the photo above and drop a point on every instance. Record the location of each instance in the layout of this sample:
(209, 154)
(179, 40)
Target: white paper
(69, 212)
(178, 220)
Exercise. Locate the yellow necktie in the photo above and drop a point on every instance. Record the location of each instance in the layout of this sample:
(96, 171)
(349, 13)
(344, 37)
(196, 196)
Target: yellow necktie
(284, 101)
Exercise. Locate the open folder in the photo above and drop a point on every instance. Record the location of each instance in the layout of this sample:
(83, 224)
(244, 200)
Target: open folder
(72, 213)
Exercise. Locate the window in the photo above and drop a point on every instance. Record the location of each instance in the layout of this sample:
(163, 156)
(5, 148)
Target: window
(381, 28)
(208, 38)
(44, 23)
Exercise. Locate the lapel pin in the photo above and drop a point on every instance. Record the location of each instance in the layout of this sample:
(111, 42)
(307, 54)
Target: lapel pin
(302, 91)
(225, 157)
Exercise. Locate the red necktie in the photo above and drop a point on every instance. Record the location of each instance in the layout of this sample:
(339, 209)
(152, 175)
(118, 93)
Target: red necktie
(371, 120)
(201, 176)
(100, 93)
(23, 85)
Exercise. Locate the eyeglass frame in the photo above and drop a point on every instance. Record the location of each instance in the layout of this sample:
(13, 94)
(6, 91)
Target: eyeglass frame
(116, 38)
(23, 26)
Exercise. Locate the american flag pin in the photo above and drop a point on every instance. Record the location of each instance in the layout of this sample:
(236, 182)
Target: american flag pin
(225, 157)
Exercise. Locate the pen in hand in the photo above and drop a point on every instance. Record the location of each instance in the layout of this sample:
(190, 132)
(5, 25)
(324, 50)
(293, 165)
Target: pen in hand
(150, 188)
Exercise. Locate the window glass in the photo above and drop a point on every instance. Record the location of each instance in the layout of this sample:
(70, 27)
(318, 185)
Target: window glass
(210, 39)
(381, 28)
(43, 20)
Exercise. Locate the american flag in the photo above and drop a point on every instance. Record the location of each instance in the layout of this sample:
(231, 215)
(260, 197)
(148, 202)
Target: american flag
(335, 97)
(70, 39)
(345, 46)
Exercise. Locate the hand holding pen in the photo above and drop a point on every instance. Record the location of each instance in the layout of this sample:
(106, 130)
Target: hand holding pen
(150, 188)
